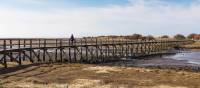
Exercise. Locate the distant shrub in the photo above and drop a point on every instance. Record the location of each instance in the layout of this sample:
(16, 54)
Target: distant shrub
(179, 37)
(136, 36)
(192, 36)
(149, 37)
(165, 36)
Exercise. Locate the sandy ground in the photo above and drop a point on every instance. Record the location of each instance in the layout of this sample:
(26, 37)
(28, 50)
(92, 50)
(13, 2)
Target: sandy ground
(67, 75)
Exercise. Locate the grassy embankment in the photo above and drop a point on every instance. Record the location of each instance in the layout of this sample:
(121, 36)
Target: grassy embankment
(93, 76)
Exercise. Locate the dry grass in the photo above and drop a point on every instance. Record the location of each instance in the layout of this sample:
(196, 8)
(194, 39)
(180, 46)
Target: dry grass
(92, 76)
(102, 69)
(195, 45)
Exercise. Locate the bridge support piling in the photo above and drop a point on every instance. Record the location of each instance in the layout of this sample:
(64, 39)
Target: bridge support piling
(31, 50)
(44, 51)
(24, 44)
(19, 53)
(61, 51)
(56, 51)
(4, 54)
(70, 57)
(39, 51)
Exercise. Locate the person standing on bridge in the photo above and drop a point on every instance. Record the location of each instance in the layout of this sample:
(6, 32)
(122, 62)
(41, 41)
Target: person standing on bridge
(72, 40)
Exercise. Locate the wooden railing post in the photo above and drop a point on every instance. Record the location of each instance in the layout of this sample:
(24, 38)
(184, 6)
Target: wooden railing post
(97, 53)
(81, 52)
(86, 50)
(31, 50)
(56, 52)
(24, 47)
(113, 48)
(101, 50)
(74, 46)
(19, 53)
(61, 50)
(44, 50)
(39, 45)
(11, 46)
(4, 54)
(137, 48)
(70, 57)
(126, 52)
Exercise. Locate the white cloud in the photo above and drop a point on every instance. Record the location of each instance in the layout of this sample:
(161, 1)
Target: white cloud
(138, 17)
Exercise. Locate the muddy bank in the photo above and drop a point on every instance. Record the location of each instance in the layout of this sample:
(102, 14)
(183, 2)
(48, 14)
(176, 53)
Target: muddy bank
(167, 63)
(164, 62)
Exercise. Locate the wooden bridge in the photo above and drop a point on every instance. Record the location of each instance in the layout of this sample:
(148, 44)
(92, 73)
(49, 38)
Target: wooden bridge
(82, 50)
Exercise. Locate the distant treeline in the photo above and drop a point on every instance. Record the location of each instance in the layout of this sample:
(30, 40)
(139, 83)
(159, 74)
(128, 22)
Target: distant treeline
(134, 36)
(192, 36)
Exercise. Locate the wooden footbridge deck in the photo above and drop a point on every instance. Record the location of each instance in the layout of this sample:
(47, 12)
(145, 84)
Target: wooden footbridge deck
(82, 50)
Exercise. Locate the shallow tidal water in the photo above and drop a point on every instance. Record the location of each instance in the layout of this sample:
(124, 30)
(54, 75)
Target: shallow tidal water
(192, 57)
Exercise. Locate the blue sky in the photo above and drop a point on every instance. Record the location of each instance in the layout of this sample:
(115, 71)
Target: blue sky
(36, 4)
(29, 4)
(58, 18)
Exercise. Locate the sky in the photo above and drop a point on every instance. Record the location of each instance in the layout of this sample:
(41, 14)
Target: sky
(61, 18)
